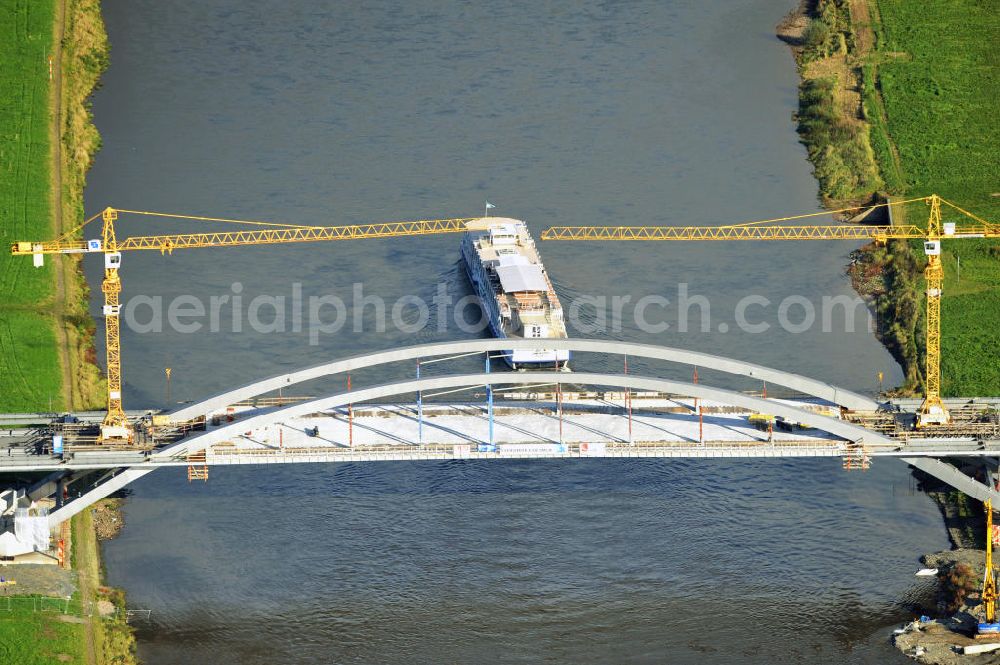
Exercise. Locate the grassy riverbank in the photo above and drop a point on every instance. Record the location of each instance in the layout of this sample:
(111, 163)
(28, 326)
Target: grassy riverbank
(88, 628)
(831, 118)
(110, 638)
(53, 52)
(51, 63)
(902, 98)
(85, 57)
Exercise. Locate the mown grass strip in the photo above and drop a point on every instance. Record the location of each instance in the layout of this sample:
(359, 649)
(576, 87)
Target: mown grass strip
(30, 373)
(881, 142)
(25, 158)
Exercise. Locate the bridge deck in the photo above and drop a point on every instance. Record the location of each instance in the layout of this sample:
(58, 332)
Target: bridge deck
(660, 427)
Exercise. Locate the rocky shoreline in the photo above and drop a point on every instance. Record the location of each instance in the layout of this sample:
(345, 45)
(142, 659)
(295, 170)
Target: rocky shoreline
(109, 518)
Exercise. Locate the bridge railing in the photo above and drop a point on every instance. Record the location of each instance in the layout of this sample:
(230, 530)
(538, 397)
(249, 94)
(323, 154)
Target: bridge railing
(540, 449)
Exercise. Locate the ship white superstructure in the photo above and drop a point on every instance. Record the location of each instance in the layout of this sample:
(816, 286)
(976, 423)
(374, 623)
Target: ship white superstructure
(515, 291)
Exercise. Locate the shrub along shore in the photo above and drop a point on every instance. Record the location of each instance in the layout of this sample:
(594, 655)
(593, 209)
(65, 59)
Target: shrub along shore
(901, 99)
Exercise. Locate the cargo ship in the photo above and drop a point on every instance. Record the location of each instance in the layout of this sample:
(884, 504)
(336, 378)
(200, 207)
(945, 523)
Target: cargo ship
(514, 289)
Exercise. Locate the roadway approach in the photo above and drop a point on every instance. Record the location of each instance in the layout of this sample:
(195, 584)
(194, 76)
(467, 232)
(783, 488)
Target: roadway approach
(515, 415)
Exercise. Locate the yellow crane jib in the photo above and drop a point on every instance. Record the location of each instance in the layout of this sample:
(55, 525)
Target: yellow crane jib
(933, 410)
(116, 427)
(693, 233)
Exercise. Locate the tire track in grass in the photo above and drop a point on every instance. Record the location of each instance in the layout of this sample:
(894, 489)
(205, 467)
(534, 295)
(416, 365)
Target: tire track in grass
(14, 365)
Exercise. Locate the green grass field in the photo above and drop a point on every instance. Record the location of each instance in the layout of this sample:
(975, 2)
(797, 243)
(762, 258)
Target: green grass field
(25, 160)
(28, 637)
(970, 313)
(30, 378)
(29, 365)
(940, 85)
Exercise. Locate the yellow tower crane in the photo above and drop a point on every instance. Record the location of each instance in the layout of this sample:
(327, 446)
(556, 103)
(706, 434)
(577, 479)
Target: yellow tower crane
(115, 428)
(989, 627)
(932, 411)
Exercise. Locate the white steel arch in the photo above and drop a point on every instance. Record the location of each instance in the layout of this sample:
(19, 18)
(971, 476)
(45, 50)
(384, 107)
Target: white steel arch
(834, 426)
(826, 391)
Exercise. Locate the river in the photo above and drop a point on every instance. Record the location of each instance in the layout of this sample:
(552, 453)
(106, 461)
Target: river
(661, 113)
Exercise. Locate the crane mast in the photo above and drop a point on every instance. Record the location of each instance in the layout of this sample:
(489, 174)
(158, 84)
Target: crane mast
(933, 411)
(989, 625)
(115, 425)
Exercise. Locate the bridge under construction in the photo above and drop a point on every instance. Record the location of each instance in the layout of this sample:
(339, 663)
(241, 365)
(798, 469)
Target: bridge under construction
(489, 416)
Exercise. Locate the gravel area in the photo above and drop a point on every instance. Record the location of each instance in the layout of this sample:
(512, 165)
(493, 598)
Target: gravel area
(940, 642)
(38, 579)
(108, 518)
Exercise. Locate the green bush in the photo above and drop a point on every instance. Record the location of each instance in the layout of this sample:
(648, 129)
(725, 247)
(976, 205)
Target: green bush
(956, 585)
(816, 35)
(838, 148)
